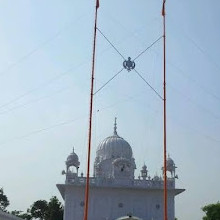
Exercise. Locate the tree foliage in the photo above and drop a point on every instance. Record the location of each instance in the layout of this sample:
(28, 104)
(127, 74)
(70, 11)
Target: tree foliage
(3, 200)
(212, 211)
(47, 210)
(55, 209)
(21, 214)
(39, 209)
(43, 210)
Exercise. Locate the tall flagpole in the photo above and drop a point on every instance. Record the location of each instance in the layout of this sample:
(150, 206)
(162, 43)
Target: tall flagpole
(164, 107)
(90, 116)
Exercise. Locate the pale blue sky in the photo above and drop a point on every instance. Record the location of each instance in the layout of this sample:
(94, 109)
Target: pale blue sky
(45, 65)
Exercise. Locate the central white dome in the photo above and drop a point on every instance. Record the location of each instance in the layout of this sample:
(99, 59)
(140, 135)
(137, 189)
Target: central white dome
(114, 147)
(114, 155)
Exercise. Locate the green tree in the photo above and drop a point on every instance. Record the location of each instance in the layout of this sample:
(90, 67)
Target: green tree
(16, 213)
(26, 216)
(43, 210)
(212, 211)
(52, 210)
(39, 209)
(22, 215)
(3, 200)
(55, 209)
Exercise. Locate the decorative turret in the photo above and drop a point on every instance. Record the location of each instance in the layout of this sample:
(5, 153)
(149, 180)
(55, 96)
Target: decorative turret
(144, 172)
(72, 166)
(72, 160)
(171, 167)
(156, 178)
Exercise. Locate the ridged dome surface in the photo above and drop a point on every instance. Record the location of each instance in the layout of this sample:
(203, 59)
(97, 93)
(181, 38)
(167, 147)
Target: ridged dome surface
(114, 147)
(72, 160)
(170, 162)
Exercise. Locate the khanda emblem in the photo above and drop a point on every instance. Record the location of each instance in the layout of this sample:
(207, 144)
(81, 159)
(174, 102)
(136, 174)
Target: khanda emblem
(129, 64)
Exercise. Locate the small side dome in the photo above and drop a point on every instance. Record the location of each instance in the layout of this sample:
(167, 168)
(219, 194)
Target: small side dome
(170, 162)
(73, 160)
(156, 178)
(144, 167)
(144, 172)
(171, 167)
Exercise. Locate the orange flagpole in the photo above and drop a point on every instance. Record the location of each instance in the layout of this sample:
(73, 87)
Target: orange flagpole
(90, 117)
(164, 113)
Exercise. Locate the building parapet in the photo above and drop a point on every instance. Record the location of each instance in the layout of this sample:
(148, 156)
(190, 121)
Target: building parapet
(111, 182)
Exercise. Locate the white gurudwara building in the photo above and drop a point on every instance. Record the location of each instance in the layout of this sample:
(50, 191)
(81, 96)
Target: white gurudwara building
(114, 191)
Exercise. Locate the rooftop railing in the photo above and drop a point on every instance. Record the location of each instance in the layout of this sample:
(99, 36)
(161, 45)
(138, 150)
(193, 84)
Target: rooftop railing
(112, 182)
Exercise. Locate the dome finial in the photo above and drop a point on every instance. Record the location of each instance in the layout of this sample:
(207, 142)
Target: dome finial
(115, 127)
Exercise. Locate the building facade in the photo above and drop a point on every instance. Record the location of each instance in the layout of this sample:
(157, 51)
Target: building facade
(114, 191)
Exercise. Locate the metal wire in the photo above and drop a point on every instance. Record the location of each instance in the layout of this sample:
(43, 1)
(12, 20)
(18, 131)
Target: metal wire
(38, 47)
(108, 81)
(111, 44)
(147, 48)
(148, 84)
